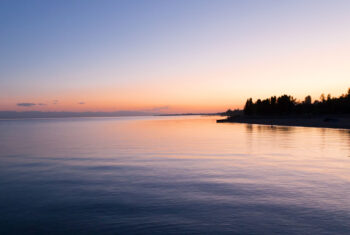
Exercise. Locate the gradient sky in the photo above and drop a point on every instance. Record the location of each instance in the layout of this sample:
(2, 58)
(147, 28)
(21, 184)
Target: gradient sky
(169, 56)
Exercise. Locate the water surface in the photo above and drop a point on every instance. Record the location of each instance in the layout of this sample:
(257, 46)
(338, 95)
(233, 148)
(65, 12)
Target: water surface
(161, 175)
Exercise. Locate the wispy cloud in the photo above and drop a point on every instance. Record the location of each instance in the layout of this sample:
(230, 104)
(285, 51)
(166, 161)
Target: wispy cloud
(81, 103)
(55, 102)
(41, 104)
(26, 104)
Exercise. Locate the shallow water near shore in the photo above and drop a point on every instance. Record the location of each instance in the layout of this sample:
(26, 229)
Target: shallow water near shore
(161, 175)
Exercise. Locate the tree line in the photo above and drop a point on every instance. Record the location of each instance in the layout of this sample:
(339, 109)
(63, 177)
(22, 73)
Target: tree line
(286, 105)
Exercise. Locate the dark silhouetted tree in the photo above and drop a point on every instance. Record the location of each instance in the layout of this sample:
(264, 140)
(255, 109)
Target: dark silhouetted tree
(308, 100)
(248, 108)
(286, 104)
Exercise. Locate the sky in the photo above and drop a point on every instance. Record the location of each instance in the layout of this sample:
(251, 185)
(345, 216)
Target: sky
(169, 56)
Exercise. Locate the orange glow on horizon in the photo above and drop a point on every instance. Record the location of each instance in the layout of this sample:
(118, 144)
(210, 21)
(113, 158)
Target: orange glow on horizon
(105, 103)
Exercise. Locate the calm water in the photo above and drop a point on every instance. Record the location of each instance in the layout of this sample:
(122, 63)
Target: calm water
(161, 175)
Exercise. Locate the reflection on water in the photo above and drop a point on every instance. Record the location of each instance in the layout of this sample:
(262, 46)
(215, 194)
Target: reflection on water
(172, 175)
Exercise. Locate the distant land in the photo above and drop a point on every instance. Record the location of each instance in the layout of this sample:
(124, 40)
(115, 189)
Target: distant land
(39, 114)
(331, 112)
(190, 114)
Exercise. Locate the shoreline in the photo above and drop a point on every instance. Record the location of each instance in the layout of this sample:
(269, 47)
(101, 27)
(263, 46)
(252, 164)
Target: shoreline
(336, 121)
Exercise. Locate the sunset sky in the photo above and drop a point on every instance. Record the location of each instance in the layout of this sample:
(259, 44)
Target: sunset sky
(169, 56)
